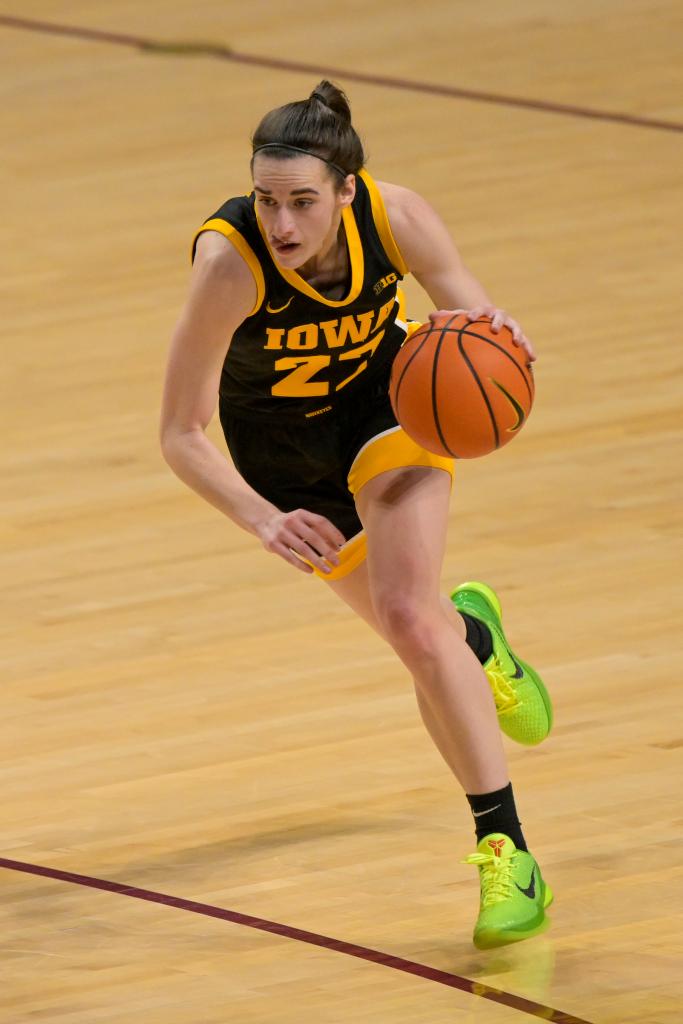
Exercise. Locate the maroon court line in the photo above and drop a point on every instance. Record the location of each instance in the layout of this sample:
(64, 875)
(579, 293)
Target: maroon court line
(287, 931)
(432, 88)
(475, 988)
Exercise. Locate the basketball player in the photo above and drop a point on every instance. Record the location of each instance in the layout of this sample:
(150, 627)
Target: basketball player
(293, 318)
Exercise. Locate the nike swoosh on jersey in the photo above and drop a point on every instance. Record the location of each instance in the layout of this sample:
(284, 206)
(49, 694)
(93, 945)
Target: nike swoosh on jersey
(279, 309)
(530, 890)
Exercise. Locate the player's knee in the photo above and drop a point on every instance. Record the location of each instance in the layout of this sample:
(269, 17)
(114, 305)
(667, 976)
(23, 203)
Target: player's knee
(407, 625)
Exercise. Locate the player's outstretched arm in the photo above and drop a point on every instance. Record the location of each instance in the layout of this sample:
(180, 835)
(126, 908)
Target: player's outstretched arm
(222, 294)
(433, 259)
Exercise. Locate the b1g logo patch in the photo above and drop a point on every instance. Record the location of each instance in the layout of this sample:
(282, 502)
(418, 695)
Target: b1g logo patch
(384, 282)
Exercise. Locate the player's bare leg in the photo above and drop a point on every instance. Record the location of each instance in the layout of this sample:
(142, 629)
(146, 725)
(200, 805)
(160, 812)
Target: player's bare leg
(396, 591)
(354, 590)
(404, 513)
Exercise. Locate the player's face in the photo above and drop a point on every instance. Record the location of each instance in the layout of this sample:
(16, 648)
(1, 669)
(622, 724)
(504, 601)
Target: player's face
(299, 206)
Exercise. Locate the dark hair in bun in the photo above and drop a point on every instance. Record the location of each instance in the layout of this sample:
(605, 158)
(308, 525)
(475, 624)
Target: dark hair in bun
(320, 125)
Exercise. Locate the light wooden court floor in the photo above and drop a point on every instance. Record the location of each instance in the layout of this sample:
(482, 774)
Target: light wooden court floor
(184, 713)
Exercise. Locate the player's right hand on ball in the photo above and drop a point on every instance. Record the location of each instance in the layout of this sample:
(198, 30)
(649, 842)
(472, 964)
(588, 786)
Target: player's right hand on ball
(301, 534)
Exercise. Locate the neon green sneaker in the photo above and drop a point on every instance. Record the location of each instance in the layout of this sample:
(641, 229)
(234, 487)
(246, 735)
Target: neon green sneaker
(514, 896)
(524, 708)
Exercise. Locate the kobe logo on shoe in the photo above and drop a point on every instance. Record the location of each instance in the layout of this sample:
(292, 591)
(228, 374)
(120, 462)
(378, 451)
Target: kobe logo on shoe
(496, 845)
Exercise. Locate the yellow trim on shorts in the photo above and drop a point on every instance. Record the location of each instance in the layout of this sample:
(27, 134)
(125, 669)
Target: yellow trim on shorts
(411, 327)
(381, 219)
(243, 248)
(350, 557)
(392, 449)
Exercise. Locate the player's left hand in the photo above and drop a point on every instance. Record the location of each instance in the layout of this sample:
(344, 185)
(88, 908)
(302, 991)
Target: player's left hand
(499, 318)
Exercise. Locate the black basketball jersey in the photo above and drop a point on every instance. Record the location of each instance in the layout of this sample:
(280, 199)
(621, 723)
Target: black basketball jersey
(299, 354)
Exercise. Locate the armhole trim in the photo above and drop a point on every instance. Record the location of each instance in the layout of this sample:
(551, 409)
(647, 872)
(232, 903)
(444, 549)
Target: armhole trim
(243, 248)
(381, 219)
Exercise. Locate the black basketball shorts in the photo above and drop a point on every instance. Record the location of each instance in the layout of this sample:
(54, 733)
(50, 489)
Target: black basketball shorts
(320, 463)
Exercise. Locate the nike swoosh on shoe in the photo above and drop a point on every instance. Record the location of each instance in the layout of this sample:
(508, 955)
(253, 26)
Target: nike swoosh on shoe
(530, 890)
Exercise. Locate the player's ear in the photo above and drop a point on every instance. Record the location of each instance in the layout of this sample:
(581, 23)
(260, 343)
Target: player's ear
(347, 193)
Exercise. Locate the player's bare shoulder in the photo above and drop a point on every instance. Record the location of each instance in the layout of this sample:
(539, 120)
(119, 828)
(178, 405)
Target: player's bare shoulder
(222, 282)
(419, 231)
(401, 203)
(408, 211)
(218, 258)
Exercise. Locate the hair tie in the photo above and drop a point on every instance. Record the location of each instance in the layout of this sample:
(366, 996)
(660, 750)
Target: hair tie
(299, 149)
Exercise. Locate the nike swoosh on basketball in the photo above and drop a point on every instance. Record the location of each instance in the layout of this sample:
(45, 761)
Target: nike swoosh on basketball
(530, 890)
(521, 415)
(279, 309)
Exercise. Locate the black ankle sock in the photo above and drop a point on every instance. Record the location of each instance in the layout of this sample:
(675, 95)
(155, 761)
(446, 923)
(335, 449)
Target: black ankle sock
(478, 637)
(496, 812)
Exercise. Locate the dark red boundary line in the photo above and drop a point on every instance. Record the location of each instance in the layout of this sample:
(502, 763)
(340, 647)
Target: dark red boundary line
(343, 74)
(287, 931)
(475, 988)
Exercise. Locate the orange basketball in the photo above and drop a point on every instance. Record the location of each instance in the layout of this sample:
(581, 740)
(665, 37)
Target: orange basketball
(459, 389)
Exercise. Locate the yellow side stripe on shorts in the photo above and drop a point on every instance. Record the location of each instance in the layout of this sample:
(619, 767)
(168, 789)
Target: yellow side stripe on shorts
(392, 449)
(350, 557)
